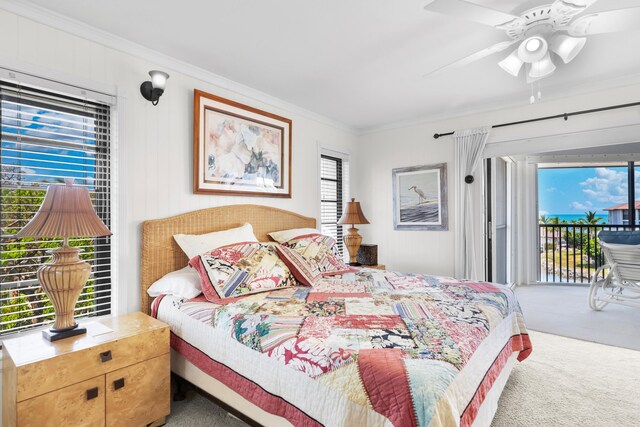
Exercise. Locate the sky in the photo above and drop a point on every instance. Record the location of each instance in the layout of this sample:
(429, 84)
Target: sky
(35, 161)
(577, 190)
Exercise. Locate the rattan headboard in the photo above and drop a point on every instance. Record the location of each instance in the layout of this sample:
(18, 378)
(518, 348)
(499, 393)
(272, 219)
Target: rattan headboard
(162, 255)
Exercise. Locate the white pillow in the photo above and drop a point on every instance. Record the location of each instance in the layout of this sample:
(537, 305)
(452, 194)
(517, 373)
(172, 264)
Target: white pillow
(183, 283)
(197, 244)
(286, 235)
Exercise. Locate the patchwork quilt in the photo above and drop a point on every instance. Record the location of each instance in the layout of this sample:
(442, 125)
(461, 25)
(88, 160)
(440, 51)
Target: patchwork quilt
(411, 349)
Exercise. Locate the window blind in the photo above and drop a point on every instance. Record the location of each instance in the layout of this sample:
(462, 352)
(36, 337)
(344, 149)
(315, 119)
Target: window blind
(45, 138)
(334, 181)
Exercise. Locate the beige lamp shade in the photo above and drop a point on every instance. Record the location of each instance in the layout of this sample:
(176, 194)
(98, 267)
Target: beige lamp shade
(353, 214)
(66, 211)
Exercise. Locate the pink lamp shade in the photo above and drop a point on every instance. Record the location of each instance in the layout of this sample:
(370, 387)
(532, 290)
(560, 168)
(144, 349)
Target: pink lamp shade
(353, 214)
(66, 211)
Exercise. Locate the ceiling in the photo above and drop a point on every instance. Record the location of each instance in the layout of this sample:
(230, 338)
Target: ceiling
(359, 62)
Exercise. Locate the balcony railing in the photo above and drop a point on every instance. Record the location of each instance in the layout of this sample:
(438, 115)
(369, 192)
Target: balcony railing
(570, 253)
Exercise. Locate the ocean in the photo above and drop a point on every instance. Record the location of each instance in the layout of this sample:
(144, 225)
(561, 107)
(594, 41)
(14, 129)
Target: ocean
(571, 218)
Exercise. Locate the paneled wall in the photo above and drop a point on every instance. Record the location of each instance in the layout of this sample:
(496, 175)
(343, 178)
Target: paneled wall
(155, 154)
(155, 143)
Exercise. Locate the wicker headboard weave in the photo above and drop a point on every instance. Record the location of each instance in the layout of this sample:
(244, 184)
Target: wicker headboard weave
(162, 255)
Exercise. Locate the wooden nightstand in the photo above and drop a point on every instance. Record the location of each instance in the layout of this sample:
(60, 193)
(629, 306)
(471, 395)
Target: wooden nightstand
(376, 267)
(117, 374)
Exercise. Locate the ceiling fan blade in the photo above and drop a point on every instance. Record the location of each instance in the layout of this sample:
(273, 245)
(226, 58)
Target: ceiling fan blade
(611, 21)
(498, 47)
(571, 7)
(471, 12)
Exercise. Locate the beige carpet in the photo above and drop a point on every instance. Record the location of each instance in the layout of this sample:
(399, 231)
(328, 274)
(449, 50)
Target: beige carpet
(565, 382)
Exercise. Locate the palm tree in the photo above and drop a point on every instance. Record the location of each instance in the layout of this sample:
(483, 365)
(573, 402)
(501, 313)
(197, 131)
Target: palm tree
(591, 217)
(555, 220)
(544, 219)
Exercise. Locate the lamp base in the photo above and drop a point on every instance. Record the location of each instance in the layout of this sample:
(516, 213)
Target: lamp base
(51, 335)
(355, 264)
(63, 280)
(352, 241)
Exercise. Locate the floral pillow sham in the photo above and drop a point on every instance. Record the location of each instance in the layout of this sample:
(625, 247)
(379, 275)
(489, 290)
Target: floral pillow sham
(312, 256)
(241, 269)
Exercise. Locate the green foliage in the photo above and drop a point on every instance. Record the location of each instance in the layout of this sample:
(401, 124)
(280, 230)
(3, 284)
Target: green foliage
(585, 242)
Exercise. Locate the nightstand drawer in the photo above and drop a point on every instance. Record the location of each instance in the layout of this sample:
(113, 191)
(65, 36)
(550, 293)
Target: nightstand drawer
(72, 367)
(139, 394)
(81, 404)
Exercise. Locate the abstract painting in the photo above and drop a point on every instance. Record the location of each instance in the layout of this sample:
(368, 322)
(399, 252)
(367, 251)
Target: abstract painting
(240, 150)
(420, 198)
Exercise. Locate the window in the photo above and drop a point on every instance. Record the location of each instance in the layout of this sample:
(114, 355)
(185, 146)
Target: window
(45, 138)
(334, 185)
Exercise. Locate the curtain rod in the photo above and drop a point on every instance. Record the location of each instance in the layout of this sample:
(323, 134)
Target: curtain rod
(565, 116)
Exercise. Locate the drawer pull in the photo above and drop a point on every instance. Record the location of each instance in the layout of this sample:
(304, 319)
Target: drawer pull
(106, 356)
(119, 383)
(92, 393)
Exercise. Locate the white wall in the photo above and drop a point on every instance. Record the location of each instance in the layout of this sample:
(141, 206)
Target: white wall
(155, 153)
(155, 144)
(381, 151)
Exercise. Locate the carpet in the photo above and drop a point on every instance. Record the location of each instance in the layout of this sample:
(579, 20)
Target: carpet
(565, 382)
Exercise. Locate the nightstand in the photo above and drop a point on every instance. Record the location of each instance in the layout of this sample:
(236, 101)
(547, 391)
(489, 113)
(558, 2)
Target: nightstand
(117, 374)
(376, 267)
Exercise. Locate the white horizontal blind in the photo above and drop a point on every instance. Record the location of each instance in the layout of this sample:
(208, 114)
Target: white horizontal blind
(334, 184)
(47, 137)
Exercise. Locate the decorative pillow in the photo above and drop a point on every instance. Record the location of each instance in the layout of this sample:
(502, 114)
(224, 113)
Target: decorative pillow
(284, 236)
(183, 283)
(241, 269)
(312, 256)
(196, 244)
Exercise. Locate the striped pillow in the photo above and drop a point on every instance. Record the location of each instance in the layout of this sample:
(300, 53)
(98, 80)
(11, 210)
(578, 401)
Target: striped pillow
(312, 256)
(241, 269)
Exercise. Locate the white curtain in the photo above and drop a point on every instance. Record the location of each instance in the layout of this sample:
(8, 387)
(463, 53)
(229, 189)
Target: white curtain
(469, 225)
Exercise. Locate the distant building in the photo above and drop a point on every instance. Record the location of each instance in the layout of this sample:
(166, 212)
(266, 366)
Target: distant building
(550, 237)
(619, 214)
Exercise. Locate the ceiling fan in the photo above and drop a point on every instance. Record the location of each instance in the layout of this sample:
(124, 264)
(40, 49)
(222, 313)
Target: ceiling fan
(539, 33)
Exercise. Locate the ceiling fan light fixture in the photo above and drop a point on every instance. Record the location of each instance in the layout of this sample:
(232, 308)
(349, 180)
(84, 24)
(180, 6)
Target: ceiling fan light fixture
(567, 47)
(533, 44)
(533, 49)
(512, 64)
(542, 68)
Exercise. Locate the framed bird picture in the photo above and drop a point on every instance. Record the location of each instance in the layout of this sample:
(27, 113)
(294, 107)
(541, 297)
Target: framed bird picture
(420, 198)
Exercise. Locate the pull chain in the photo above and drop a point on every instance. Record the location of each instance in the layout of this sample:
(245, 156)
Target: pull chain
(539, 91)
(532, 99)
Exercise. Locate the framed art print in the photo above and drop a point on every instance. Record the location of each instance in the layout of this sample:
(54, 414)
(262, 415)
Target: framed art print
(420, 198)
(239, 150)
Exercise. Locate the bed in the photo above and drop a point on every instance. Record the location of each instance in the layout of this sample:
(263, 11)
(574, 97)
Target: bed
(368, 347)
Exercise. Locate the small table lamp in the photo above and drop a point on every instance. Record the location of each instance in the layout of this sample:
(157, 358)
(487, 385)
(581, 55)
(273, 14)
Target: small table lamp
(353, 215)
(65, 212)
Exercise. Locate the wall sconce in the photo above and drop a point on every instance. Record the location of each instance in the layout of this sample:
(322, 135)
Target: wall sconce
(153, 90)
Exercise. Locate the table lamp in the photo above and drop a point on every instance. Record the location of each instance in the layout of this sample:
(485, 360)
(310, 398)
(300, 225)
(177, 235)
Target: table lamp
(352, 240)
(65, 212)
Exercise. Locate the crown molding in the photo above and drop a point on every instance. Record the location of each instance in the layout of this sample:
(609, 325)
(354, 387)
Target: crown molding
(555, 92)
(72, 26)
(61, 22)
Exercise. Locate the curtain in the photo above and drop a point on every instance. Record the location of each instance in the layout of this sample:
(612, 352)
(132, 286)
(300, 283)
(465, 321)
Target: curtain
(469, 231)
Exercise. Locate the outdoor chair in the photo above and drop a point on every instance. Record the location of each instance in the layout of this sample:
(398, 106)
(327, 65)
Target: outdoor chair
(621, 285)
